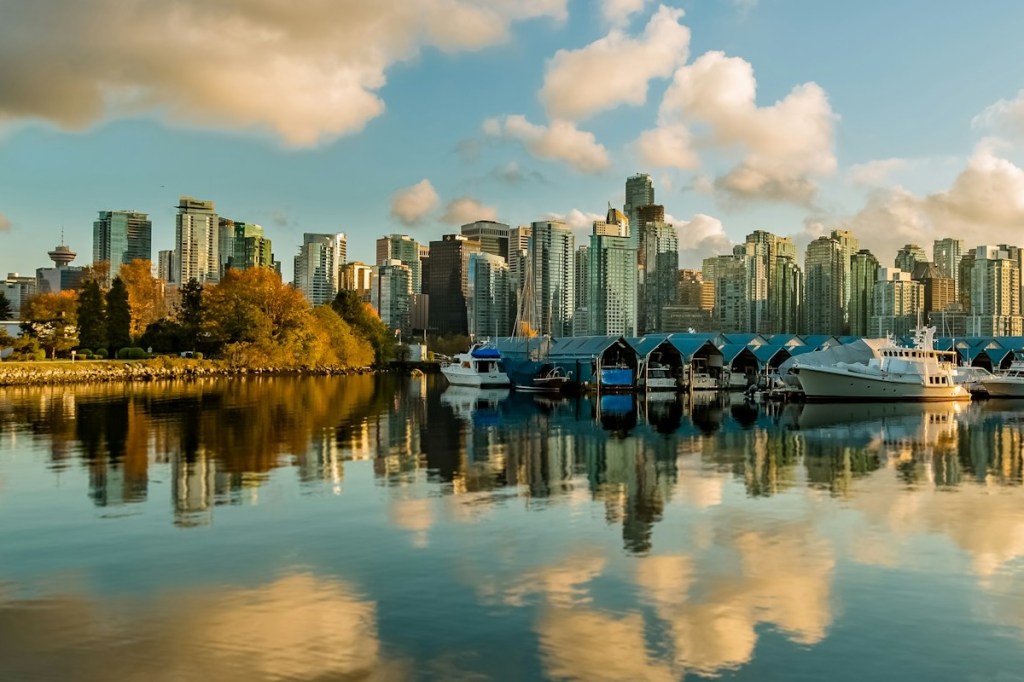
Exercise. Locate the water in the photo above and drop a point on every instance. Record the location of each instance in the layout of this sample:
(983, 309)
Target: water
(365, 528)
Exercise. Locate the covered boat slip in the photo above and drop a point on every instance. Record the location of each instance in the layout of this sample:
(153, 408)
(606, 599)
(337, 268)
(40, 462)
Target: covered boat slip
(591, 362)
(679, 357)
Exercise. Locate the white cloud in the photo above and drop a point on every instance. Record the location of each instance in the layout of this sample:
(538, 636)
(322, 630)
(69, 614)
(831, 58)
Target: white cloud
(306, 72)
(668, 147)
(615, 69)
(984, 205)
(561, 141)
(875, 173)
(700, 237)
(467, 210)
(1003, 116)
(618, 12)
(785, 145)
(577, 220)
(411, 204)
(5, 223)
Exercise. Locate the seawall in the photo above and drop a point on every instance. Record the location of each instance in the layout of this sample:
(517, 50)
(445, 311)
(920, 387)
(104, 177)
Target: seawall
(39, 373)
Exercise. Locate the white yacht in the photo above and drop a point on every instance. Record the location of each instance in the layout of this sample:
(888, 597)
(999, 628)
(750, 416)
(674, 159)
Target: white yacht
(1008, 384)
(479, 367)
(658, 377)
(918, 373)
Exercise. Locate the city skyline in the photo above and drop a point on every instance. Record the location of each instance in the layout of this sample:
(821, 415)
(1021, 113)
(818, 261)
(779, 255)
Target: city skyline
(790, 135)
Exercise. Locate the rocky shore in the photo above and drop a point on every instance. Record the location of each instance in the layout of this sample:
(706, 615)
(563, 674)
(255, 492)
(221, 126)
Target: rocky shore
(38, 373)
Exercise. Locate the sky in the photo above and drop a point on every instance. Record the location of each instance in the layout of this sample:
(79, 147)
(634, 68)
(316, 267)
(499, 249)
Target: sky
(902, 121)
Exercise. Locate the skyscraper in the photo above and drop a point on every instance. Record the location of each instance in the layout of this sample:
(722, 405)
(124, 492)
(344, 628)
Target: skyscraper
(119, 237)
(897, 304)
(552, 265)
(249, 248)
(995, 293)
(318, 266)
(404, 248)
(165, 265)
(661, 273)
(786, 296)
(493, 237)
(863, 275)
(449, 283)
(196, 239)
(825, 269)
(612, 303)
(763, 251)
(728, 273)
(488, 296)
(909, 256)
(391, 295)
(639, 192)
(946, 254)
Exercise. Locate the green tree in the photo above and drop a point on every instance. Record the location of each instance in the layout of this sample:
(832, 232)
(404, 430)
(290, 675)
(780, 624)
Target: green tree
(119, 316)
(6, 309)
(92, 317)
(365, 322)
(52, 319)
(190, 313)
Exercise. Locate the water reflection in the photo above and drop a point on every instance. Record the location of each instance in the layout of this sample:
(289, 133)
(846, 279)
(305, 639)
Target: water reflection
(627, 537)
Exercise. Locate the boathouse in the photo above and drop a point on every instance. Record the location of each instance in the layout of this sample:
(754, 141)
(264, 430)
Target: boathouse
(585, 356)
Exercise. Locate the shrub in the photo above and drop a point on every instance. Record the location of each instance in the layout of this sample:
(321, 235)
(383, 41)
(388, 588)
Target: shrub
(132, 353)
(38, 355)
(197, 356)
(84, 352)
(100, 354)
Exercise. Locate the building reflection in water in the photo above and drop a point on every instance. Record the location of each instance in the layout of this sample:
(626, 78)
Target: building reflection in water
(221, 442)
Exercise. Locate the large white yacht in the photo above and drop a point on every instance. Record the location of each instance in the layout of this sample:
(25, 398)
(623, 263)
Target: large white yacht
(480, 367)
(917, 373)
(1008, 384)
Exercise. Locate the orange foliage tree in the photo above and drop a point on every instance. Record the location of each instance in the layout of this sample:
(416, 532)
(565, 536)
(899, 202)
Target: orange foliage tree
(52, 319)
(145, 295)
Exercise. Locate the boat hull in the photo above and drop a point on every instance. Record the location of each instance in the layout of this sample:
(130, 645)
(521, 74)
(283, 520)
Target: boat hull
(1004, 388)
(661, 384)
(828, 383)
(475, 379)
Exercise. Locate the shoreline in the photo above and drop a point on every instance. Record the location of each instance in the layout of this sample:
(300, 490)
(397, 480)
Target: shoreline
(103, 371)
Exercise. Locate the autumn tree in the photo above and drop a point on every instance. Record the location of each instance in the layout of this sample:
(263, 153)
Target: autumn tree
(52, 319)
(98, 272)
(145, 295)
(119, 316)
(92, 317)
(6, 309)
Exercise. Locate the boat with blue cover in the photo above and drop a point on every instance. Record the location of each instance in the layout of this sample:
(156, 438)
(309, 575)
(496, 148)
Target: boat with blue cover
(480, 367)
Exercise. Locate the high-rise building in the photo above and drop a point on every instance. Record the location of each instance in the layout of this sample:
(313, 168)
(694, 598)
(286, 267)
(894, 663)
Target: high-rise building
(695, 290)
(786, 296)
(909, 256)
(897, 305)
(62, 276)
(358, 277)
(938, 289)
(406, 249)
(488, 296)
(825, 275)
(391, 295)
(249, 248)
(519, 250)
(763, 252)
(225, 242)
(494, 237)
(863, 275)
(119, 237)
(449, 283)
(994, 293)
(318, 266)
(661, 273)
(946, 254)
(639, 192)
(552, 265)
(731, 304)
(18, 289)
(581, 281)
(165, 265)
(612, 303)
(196, 239)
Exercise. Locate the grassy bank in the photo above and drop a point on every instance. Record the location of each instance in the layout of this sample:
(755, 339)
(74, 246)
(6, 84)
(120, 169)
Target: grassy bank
(90, 371)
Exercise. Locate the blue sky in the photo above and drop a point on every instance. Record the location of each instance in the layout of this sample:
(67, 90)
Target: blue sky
(899, 120)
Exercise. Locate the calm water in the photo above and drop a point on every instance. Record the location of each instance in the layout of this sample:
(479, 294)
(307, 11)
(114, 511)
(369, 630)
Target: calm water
(364, 528)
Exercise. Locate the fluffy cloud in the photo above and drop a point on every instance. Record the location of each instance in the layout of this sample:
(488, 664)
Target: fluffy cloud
(561, 141)
(5, 223)
(668, 147)
(467, 210)
(615, 69)
(700, 237)
(984, 205)
(512, 173)
(784, 145)
(411, 204)
(578, 221)
(1003, 116)
(618, 12)
(305, 72)
(875, 173)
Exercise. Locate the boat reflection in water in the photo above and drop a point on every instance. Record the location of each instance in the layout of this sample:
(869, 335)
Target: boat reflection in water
(474, 403)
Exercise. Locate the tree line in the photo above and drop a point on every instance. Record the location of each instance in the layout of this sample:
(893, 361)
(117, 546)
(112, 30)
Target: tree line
(249, 318)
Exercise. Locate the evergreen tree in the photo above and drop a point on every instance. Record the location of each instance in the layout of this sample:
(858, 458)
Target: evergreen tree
(190, 314)
(365, 322)
(119, 316)
(92, 317)
(6, 309)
